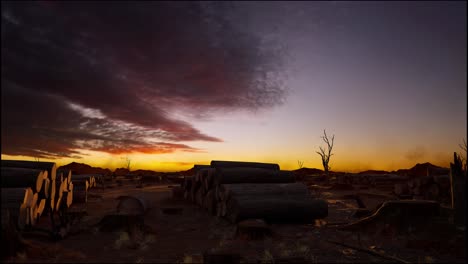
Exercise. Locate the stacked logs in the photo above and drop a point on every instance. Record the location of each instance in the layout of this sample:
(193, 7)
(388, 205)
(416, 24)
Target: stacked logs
(31, 189)
(24, 194)
(436, 188)
(244, 190)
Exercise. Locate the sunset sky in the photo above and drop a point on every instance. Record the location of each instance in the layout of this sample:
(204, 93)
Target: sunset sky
(172, 84)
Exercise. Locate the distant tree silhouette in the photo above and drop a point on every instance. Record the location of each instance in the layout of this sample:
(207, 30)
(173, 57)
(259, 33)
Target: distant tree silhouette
(326, 152)
(128, 161)
(300, 163)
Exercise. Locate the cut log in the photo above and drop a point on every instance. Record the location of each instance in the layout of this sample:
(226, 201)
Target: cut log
(209, 202)
(50, 167)
(40, 207)
(199, 195)
(16, 196)
(45, 189)
(80, 191)
(252, 175)
(16, 201)
(70, 195)
(243, 164)
(188, 183)
(269, 189)
(14, 243)
(276, 209)
(21, 177)
(133, 205)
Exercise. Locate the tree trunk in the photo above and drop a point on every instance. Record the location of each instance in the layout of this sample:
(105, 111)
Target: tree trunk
(276, 209)
(50, 167)
(237, 164)
(252, 175)
(21, 177)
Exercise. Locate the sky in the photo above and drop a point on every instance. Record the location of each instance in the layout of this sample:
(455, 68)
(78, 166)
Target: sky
(173, 84)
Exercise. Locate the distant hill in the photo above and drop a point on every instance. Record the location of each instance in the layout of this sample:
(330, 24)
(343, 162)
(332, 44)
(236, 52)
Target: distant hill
(307, 171)
(374, 172)
(422, 169)
(81, 168)
(419, 170)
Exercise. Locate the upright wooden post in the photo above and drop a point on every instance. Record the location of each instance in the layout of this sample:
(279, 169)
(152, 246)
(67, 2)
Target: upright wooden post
(458, 190)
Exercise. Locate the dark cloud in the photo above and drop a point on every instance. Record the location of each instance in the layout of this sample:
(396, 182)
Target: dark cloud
(107, 76)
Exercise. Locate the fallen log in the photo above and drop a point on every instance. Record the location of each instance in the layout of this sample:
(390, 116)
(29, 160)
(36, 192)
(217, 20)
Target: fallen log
(14, 243)
(17, 201)
(271, 189)
(50, 167)
(80, 191)
(40, 207)
(276, 209)
(209, 202)
(243, 164)
(21, 177)
(252, 175)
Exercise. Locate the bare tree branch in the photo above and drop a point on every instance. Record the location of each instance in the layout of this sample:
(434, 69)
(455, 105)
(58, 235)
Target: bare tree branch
(326, 153)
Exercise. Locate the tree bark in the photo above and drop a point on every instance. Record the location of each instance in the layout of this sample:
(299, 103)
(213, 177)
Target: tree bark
(21, 177)
(16, 201)
(50, 167)
(252, 175)
(80, 191)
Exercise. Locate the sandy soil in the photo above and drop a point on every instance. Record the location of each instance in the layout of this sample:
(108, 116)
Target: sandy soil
(186, 236)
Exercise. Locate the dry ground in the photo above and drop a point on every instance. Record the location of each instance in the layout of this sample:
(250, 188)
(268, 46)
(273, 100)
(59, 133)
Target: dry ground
(190, 232)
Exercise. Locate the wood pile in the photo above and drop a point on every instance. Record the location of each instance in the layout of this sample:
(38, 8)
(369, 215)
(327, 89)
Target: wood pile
(33, 189)
(251, 190)
(436, 188)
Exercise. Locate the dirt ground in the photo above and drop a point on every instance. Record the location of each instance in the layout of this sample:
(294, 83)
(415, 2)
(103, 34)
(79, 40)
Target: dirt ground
(184, 234)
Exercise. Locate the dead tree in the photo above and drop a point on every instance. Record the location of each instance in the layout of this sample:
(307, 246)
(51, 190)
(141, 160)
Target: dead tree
(127, 163)
(326, 153)
(300, 163)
